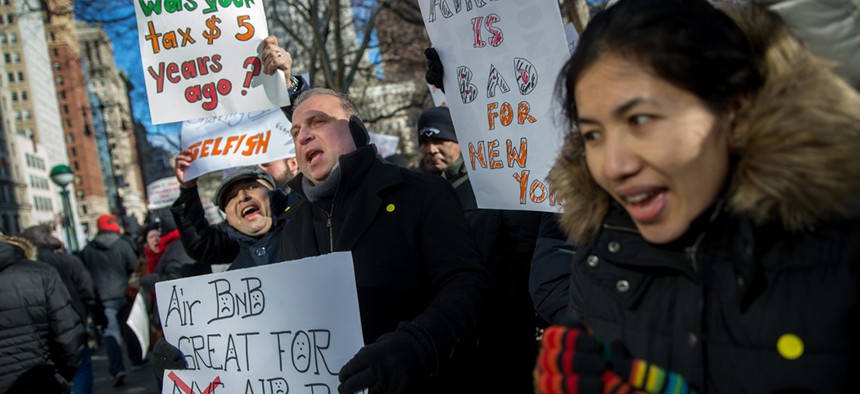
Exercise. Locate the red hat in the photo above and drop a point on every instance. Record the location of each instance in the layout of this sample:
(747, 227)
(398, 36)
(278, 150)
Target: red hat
(108, 222)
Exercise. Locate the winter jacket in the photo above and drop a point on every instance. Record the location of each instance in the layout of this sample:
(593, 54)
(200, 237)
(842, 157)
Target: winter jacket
(506, 239)
(222, 244)
(110, 258)
(414, 257)
(41, 336)
(174, 263)
(75, 276)
(761, 294)
(549, 278)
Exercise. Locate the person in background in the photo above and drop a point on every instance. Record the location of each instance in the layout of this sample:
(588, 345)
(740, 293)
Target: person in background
(710, 185)
(506, 239)
(110, 259)
(41, 335)
(282, 171)
(245, 239)
(418, 271)
(78, 282)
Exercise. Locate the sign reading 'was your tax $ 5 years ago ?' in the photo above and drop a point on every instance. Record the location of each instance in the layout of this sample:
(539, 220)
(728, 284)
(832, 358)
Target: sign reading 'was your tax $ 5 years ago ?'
(501, 59)
(201, 58)
(279, 328)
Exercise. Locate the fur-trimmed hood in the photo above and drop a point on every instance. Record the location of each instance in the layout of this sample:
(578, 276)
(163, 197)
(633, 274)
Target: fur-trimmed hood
(796, 142)
(13, 249)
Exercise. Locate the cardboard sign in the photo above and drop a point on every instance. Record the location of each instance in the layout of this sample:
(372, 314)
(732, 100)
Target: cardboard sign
(201, 58)
(386, 145)
(286, 327)
(162, 193)
(236, 140)
(501, 59)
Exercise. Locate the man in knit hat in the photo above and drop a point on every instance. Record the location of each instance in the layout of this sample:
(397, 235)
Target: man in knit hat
(506, 239)
(437, 141)
(110, 258)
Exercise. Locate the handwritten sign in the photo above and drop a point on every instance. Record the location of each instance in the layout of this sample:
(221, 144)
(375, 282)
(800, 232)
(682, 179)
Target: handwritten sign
(501, 59)
(286, 327)
(386, 145)
(236, 140)
(201, 58)
(162, 193)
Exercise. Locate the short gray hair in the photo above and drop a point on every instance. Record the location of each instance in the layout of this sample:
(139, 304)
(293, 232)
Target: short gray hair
(345, 102)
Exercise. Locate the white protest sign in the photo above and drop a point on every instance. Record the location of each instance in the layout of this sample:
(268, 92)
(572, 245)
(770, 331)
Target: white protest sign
(501, 60)
(138, 322)
(263, 329)
(162, 193)
(201, 58)
(386, 145)
(236, 140)
(439, 99)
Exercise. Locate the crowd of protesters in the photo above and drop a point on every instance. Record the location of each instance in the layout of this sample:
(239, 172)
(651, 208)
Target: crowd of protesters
(707, 241)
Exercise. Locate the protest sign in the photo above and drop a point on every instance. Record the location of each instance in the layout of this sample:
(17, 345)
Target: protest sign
(285, 327)
(201, 58)
(439, 99)
(501, 59)
(236, 140)
(386, 145)
(162, 193)
(138, 322)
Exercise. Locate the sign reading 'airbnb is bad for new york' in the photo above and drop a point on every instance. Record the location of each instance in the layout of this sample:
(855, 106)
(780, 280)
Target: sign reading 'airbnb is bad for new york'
(501, 59)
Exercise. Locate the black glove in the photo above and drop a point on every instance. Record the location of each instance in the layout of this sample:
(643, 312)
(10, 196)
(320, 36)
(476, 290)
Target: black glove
(166, 356)
(397, 362)
(434, 68)
(359, 133)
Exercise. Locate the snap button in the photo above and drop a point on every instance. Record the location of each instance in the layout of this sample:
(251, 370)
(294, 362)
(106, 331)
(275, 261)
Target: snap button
(592, 261)
(692, 339)
(261, 251)
(614, 247)
(622, 286)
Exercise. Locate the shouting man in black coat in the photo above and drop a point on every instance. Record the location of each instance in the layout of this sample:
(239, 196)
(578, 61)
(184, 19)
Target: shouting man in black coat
(418, 271)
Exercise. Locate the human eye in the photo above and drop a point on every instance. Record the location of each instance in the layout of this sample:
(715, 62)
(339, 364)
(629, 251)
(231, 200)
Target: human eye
(639, 119)
(590, 135)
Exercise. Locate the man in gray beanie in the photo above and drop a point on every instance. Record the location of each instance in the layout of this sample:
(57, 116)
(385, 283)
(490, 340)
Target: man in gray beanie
(437, 142)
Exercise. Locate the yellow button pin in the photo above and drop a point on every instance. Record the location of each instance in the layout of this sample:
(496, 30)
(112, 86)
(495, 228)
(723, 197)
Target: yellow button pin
(390, 208)
(790, 346)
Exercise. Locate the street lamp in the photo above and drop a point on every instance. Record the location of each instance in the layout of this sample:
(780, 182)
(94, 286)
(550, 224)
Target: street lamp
(62, 176)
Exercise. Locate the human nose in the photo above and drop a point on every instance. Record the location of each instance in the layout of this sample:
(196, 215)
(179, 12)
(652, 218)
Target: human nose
(304, 136)
(620, 159)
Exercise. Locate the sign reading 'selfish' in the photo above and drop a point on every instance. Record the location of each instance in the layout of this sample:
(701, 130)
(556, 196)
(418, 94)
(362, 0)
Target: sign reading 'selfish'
(201, 58)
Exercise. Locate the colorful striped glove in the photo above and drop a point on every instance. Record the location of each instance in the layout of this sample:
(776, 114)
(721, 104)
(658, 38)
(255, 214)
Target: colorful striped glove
(573, 361)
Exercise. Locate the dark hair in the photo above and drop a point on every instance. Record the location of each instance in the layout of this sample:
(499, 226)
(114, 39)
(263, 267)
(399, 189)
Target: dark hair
(689, 43)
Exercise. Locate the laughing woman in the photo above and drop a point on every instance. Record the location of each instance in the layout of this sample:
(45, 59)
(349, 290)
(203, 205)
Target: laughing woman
(711, 184)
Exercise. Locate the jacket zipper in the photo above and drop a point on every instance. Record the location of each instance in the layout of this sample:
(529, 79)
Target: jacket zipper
(330, 234)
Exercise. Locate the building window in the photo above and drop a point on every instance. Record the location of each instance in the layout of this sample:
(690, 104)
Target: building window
(60, 81)
(65, 109)
(13, 38)
(24, 95)
(75, 165)
(10, 19)
(56, 52)
(56, 65)
(63, 94)
(27, 114)
(20, 76)
(68, 123)
(16, 57)
(7, 57)
(14, 97)
(11, 77)
(73, 152)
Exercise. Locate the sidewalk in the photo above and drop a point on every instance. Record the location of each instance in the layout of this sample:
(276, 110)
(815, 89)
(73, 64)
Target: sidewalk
(136, 382)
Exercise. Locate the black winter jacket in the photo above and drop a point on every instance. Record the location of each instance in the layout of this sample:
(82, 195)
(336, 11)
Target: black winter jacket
(75, 276)
(415, 259)
(506, 239)
(725, 309)
(110, 259)
(40, 333)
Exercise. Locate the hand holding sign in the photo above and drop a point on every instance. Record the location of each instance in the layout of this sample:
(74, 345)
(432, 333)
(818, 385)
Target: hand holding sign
(183, 161)
(276, 58)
